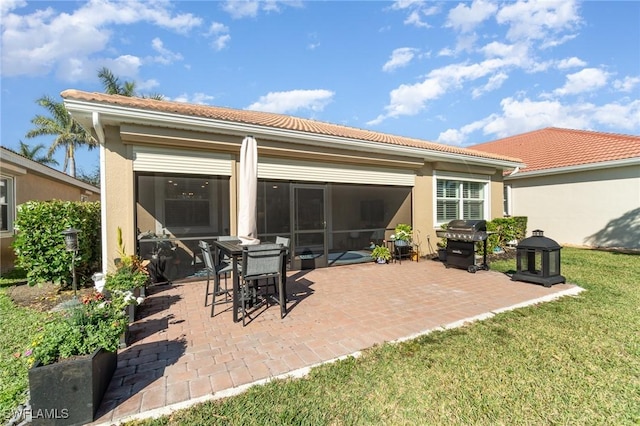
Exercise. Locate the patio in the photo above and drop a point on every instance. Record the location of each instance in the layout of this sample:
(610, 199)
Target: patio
(180, 356)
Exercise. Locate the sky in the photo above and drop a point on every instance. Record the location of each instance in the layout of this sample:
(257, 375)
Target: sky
(458, 73)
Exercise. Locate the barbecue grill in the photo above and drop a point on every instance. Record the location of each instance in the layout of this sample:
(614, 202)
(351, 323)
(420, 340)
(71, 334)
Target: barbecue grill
(462, 236)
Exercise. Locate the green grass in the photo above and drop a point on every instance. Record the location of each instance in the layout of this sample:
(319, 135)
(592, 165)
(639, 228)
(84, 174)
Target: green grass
(13, 277)
(571, 361)
(16, 330)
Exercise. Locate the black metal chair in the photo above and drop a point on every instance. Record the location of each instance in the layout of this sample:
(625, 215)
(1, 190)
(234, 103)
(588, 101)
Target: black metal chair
(217, 268)
(261, 262)
(285, 260)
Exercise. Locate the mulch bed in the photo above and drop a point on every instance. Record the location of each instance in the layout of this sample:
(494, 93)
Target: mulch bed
(42, 297)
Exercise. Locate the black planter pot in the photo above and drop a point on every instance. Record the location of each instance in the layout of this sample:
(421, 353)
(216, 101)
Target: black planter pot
(442, 254)
(69, 392)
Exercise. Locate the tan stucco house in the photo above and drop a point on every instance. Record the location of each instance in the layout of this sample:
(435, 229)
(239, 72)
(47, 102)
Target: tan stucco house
(22, 180)
(581, 187)
(171, 169)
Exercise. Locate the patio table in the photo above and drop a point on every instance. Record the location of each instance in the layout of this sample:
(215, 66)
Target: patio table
(233, 249)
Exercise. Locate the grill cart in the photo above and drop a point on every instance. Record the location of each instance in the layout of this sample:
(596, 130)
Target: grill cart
(462, 236)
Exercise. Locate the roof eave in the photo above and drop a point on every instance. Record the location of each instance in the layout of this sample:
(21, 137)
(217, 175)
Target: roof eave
(83, 111)
(46, 171)
(578, 168)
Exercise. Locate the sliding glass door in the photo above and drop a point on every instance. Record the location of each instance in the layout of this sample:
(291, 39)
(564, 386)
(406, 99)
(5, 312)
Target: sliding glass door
(309, 226)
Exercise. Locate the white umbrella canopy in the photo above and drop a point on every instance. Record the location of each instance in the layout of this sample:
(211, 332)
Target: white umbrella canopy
(248, 192)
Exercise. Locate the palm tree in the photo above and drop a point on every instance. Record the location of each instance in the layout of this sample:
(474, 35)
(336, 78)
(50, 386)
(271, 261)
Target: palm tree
(69, 134)
(112, 85)
(32, 154)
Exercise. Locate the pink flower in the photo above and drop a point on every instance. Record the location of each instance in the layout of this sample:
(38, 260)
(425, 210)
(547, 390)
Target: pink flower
(28, 352)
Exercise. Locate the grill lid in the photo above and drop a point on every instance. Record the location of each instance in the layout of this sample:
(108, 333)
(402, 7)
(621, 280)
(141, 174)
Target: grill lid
(460, 225)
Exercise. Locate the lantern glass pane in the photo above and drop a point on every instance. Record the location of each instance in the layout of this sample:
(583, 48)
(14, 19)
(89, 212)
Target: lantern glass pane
(554, 263)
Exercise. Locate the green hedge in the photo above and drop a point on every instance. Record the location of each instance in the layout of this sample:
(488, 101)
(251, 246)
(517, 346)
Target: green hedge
(39, 243)
(506, 229)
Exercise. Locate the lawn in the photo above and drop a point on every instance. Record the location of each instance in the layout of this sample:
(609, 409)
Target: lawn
(571, 361)
(16, 330)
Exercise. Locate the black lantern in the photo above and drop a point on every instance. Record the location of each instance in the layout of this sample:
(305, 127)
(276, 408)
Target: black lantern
(538, 260)
(71, 239)
(71, 244)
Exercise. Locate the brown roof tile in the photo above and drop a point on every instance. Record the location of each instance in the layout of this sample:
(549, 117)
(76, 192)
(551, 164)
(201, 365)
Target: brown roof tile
(272, 120)
(552, 148)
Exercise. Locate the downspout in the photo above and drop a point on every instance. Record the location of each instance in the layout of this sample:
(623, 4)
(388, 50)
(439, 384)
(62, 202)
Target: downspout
(97, 126)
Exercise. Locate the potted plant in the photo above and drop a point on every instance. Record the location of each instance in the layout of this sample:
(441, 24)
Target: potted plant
(73, 358)
(403, 232)
(128, 281)
(381, 254)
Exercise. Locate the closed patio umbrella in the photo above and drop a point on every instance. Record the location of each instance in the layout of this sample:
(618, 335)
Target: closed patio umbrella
(248, 192)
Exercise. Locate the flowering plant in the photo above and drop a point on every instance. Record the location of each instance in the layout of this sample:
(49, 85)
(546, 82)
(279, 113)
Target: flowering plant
(81, 329)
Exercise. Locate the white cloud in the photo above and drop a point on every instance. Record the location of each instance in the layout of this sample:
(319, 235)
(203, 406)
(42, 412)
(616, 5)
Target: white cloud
(221, 42)
(519, 116)
(534, 20)
(586, 80)
(45, 40)
(410, 99)
(293, 100)
(572, 62)
(627, 84)
(166, 56)
(196, 98)
(465, 18)
(418, 10)
(399, 58)
(251, 8)
(220, 34)
(495, 82)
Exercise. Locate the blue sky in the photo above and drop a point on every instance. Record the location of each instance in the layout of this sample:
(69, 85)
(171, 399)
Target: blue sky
(458, 73)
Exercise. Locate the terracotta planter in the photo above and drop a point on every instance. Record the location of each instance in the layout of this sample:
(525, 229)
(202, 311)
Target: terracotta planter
(70, 392)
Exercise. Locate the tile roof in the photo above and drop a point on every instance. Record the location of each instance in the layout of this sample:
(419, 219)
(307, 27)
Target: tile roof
(552, 148)
(278, 121)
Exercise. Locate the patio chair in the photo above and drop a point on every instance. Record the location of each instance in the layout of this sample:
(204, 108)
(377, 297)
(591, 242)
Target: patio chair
(285, 260)
(261, 262)
(217, 268)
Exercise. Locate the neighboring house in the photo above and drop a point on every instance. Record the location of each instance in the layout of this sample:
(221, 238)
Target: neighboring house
(580, 187)
(172, 168)
(21, 180)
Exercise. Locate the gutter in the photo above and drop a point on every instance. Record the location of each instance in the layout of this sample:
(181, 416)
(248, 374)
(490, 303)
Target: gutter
(579, 168)
(97, 127)
(117, 115)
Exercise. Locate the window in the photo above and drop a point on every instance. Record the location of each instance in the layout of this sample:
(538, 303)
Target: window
(507, 200)
(460, 199)
(6, 204)
(181, 204)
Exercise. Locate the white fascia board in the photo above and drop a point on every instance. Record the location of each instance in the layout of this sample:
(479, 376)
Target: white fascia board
(579, 168)
(47, 171)
(114, 114)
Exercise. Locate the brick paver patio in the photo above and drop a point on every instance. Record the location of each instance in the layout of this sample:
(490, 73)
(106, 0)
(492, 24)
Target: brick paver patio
(179, 355)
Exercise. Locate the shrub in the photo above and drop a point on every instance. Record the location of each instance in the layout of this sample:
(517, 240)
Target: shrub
(39, 243)
(81, 329)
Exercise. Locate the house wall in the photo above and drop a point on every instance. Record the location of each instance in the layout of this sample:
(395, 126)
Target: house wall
(599, 208)
(30, 186)
(120, 193)
(119, 196)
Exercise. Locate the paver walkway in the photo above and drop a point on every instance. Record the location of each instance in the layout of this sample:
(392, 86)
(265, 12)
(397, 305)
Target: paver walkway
(180, 355)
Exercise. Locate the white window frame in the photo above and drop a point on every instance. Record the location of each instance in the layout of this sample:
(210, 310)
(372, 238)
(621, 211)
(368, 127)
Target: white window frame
(508, 199)
(11, 205)
(461, 178)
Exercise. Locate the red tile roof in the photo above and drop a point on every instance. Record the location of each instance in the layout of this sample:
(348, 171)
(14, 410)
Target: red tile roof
(552, 148)
(272, 120)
